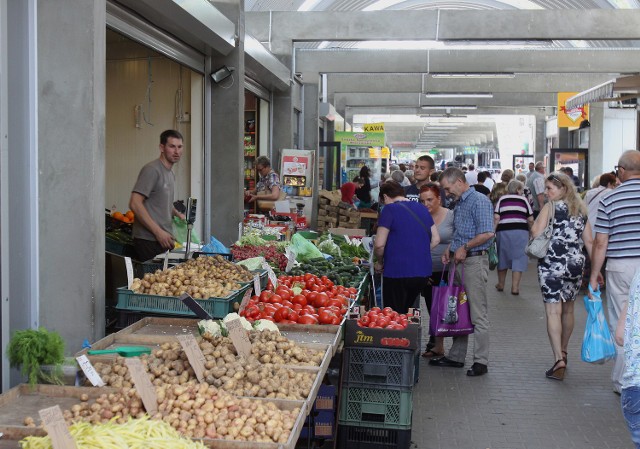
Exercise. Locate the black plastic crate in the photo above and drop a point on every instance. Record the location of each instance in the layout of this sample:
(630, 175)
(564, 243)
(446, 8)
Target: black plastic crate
(378, 406)
(356, 437)
(379, 366)
(126, 317)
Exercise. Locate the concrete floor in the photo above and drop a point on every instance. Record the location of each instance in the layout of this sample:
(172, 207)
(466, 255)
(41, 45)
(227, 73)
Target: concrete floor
(514, 406)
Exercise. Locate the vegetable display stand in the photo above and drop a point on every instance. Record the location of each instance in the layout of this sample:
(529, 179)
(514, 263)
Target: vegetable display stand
(171, 305)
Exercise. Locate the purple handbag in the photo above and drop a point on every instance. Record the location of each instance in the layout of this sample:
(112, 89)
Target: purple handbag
(450, 313)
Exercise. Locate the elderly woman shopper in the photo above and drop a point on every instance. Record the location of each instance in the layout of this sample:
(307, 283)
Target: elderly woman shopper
(513, 218)
(443, 218)
(402, 246)
(560, 270)
(500, 188)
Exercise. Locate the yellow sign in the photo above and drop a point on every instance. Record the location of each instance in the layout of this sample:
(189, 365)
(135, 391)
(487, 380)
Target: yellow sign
(374, 152)
(386, 154)
(373, 127)
(568, 118)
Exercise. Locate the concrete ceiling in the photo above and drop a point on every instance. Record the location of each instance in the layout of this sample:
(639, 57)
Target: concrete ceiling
(538, 47)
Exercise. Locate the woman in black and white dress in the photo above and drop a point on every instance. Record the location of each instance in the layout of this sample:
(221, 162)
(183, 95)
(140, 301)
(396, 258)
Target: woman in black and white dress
(560, 271)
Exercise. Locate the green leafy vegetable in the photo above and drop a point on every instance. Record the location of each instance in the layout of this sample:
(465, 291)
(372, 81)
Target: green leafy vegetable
(29, 349)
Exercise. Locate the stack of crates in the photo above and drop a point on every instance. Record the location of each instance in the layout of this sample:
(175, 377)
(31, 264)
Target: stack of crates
(320, 425)
(376, 401)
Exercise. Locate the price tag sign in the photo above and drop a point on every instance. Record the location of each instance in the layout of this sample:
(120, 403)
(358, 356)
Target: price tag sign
(129, 266)
(239, 337)
(165, 264)
(56, 428)
(195, 307)
(89, 371)
(194, 354)
(142, 383)
(291, 259)
(270, 274)
(245, 298)
(346, 237)
(256, 284)
(239, 230)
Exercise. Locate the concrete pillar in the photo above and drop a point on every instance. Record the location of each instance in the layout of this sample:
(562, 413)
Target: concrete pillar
(540, 147)
(596, 139)
(71, 122)
(311, 137)
(227, 131)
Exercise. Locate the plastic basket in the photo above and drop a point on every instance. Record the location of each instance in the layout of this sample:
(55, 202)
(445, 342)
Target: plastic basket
(118, 248)
(142, 268)
(378, 366)
(356, 437)
(170, 305)
(382, 407)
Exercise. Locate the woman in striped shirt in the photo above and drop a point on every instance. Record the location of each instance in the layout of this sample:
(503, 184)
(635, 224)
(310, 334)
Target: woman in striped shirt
(513, 218)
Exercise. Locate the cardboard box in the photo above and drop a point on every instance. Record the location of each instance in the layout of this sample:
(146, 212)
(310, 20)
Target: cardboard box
(371, 337)
(349, 232)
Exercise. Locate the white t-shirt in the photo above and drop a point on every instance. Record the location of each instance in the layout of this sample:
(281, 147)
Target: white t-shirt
(472, 177)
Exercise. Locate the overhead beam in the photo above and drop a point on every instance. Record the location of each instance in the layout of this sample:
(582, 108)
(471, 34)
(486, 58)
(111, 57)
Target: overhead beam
(384, 99)
(414, 82)
(311, 62)
(281, 28)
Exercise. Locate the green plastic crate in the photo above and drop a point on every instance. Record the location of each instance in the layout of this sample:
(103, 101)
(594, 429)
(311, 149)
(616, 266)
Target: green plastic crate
(171, 305)
(380, 406)
(309, 235)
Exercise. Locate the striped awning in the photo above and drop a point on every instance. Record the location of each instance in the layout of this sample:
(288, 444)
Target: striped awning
(617, 89)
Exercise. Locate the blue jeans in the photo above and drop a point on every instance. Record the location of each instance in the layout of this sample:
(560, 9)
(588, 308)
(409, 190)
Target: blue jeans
(630, 401)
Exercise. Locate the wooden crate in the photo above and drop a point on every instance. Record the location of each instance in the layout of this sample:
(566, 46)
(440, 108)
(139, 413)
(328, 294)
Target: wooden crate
(23, 401)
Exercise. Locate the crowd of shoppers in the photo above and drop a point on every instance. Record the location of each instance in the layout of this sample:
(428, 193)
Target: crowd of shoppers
(447, 220)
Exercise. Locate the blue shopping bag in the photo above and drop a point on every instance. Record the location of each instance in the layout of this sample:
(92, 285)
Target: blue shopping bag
(598, 345)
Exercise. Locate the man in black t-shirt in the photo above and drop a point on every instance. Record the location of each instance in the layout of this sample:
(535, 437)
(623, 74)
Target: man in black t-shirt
(423, 168)
(480, 187)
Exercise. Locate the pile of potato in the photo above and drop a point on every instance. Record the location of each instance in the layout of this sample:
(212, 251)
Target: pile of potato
(194, 410)
(202, 278)
(262, 375)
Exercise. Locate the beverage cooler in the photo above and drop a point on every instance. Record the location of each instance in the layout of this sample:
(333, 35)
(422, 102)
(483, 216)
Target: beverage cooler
(360, 149)
(296, 177)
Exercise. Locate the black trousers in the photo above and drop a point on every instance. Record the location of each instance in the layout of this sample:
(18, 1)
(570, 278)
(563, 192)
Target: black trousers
(146, 249)
(401, 293)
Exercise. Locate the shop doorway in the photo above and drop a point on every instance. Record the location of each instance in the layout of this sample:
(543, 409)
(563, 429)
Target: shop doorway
(575, 158)
(521, 163)
(330, 169)
(146, 93)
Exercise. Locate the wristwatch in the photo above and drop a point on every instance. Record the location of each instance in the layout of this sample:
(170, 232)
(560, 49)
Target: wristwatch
(466, 247)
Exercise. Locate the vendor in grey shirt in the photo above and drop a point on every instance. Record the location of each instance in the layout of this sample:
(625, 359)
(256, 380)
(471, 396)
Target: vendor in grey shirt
(152, 200)
(443, 219)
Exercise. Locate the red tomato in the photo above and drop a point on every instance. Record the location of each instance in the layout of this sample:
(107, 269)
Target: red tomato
(296, 307)
(275, 299)
(311, 297)
(387, 311)
(337, 320)
(326, 316)
(281, 314)
(268, 318)
(372, 324)
(299, 299)
(293, 316)
(375, 309)
(265, 295)
(336, 303)
(322, 300)
(307, 319)
(365, 320)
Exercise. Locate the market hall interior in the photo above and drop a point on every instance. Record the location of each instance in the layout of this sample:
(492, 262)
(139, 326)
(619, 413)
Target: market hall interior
(53, 109)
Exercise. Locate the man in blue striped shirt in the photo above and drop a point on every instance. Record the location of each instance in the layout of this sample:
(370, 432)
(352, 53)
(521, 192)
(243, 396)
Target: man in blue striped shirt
(617, 231)
(472, 233)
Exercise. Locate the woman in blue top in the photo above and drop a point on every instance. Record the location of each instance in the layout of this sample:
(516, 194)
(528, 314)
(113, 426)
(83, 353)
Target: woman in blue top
(406, 234)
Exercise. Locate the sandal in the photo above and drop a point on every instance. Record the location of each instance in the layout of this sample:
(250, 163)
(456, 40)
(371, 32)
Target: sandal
(500, 289)
(556, 372)
(430, 353)
(565, 356)
(515, 293)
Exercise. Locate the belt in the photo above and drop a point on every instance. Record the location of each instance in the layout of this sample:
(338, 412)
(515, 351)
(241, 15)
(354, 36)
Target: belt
(477, 253)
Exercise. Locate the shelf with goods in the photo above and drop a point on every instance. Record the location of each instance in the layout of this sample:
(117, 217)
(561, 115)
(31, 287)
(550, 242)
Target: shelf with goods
(250, 141)
(356, 158)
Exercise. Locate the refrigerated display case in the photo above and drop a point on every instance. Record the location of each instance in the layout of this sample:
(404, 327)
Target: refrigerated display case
(359, 149)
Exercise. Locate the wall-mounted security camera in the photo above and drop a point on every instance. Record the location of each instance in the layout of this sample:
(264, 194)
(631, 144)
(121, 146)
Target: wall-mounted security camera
(222, 74)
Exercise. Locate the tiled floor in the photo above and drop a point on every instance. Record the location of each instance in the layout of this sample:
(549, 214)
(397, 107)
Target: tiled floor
(514, 406)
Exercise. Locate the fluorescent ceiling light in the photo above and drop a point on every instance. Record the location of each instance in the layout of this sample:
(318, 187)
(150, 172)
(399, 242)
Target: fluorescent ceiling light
(458, 95)
(308, 5)
(468, 107)
(473, 75)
